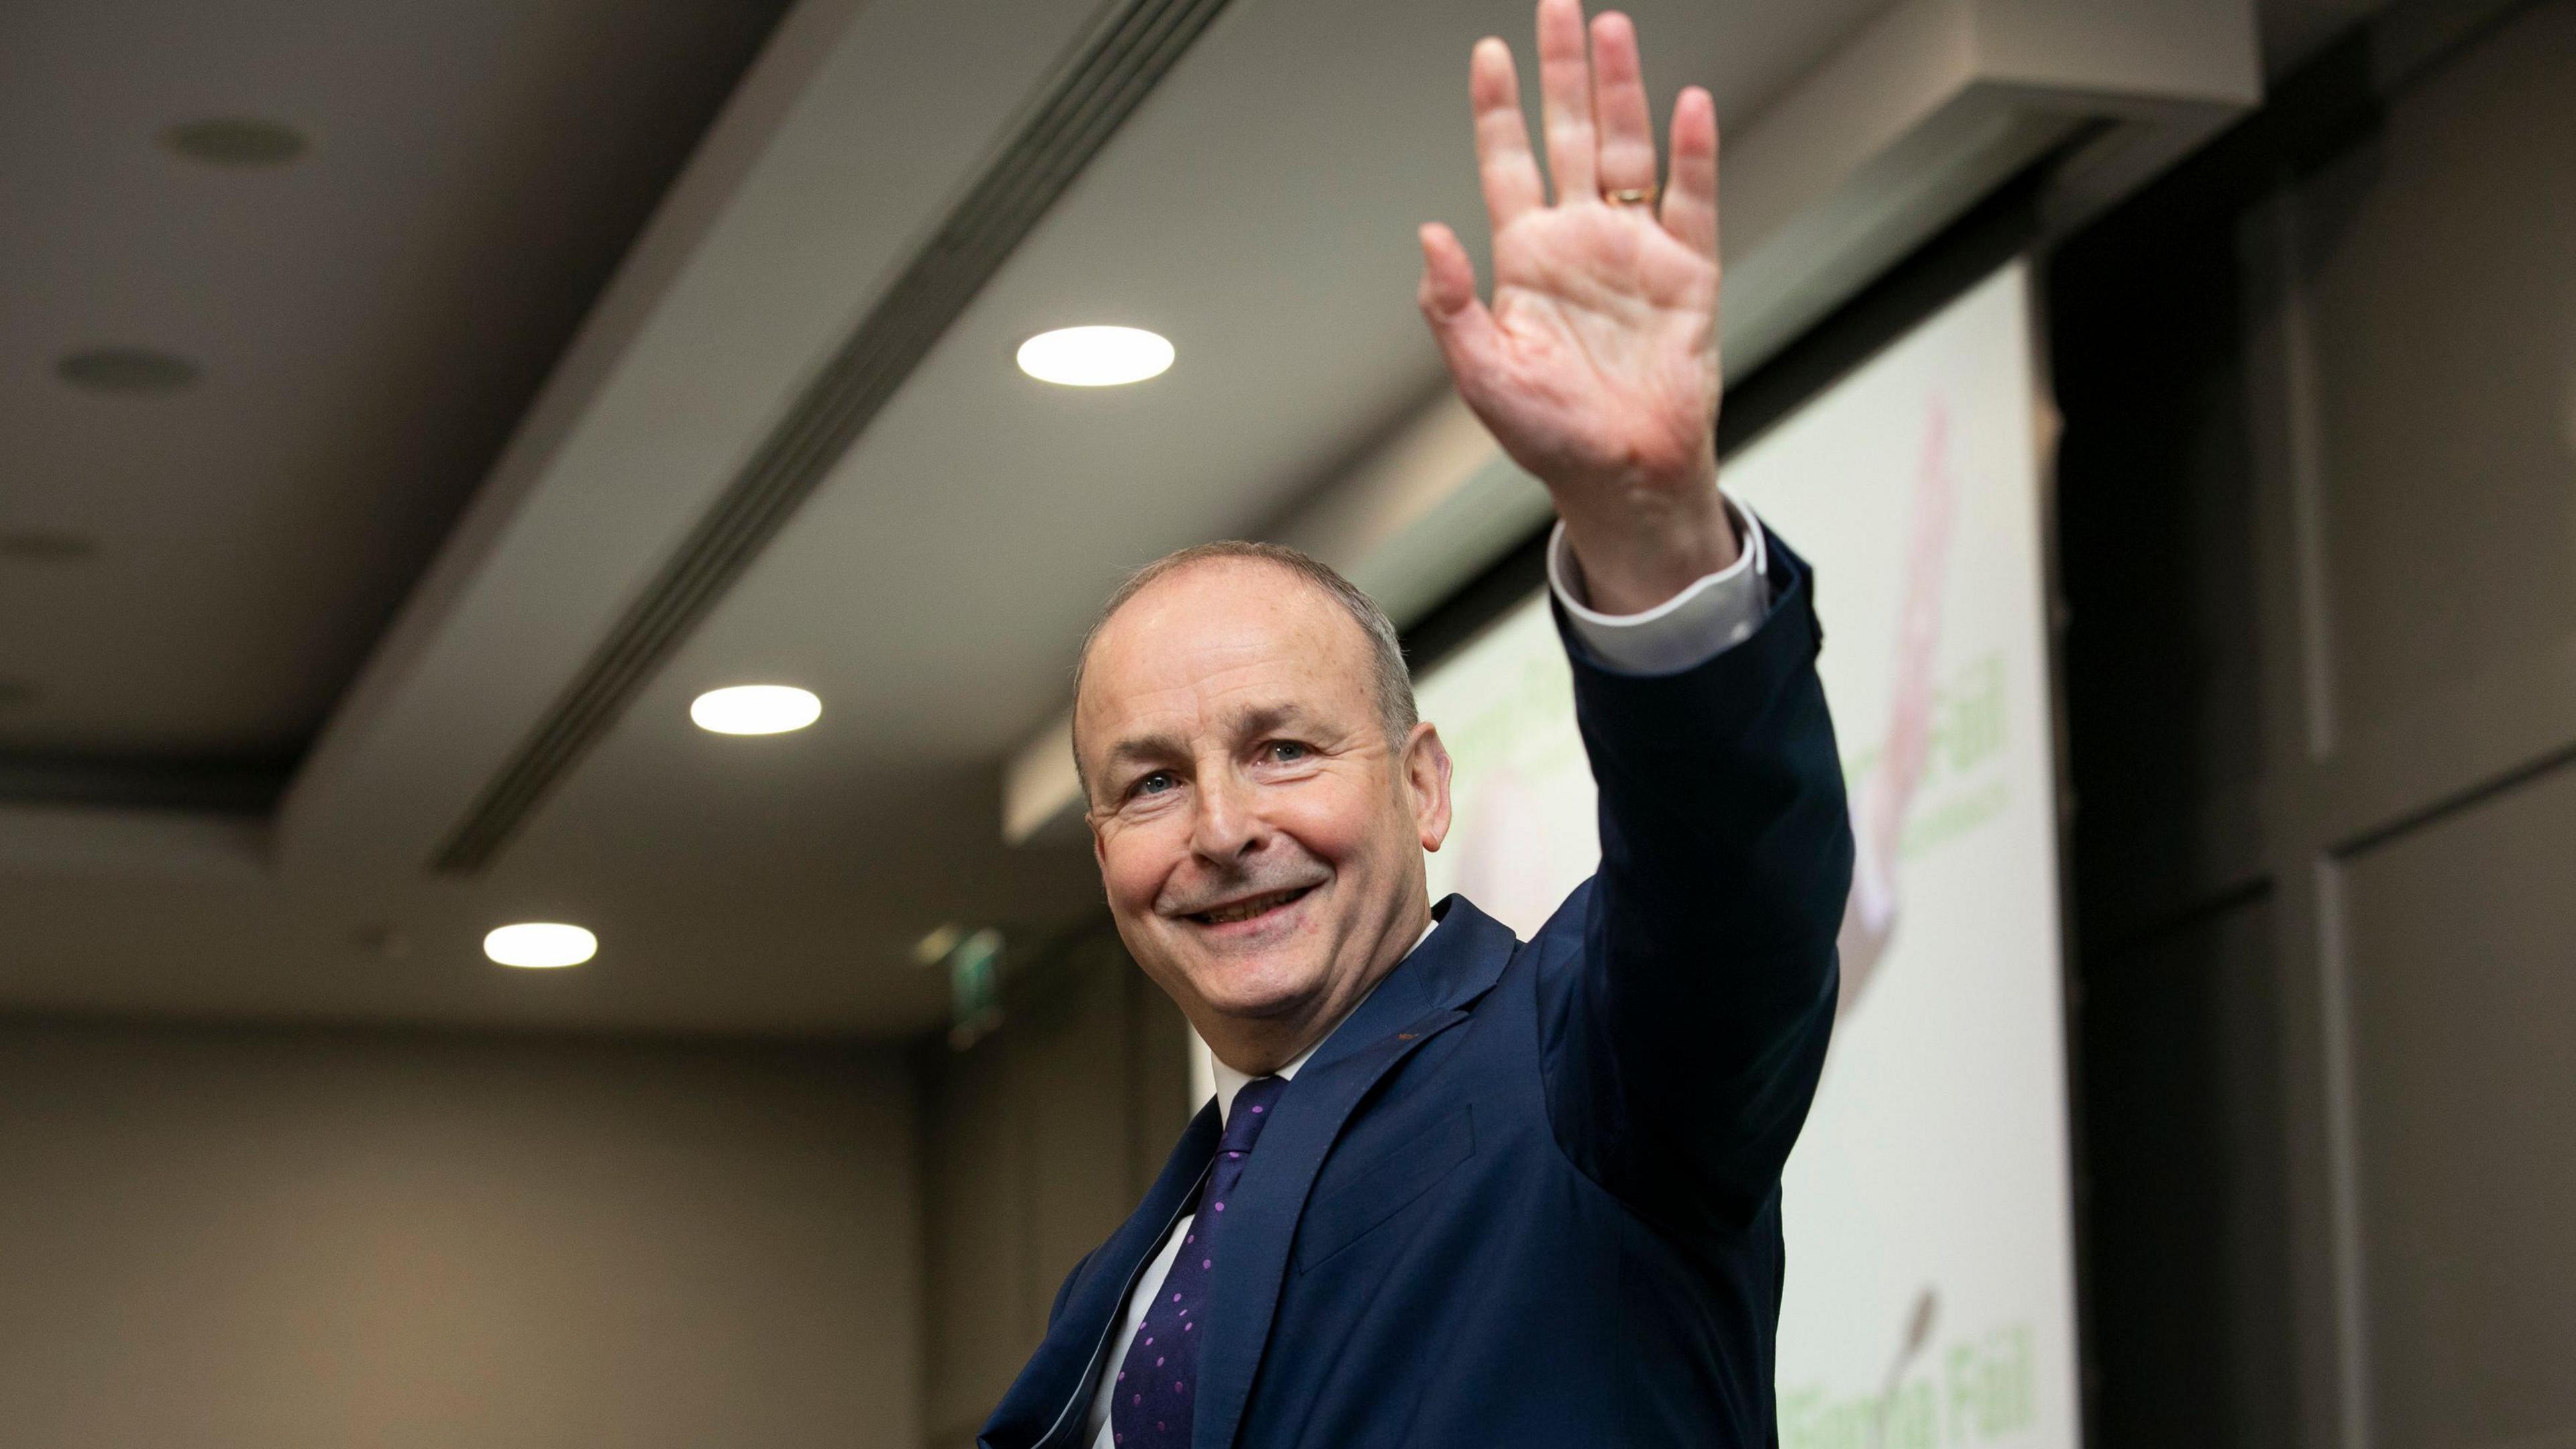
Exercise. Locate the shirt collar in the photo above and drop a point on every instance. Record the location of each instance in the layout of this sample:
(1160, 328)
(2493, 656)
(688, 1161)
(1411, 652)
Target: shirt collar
(1229, 1081)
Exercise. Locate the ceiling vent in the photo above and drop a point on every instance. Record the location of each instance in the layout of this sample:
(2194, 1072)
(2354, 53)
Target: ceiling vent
(1105, 83)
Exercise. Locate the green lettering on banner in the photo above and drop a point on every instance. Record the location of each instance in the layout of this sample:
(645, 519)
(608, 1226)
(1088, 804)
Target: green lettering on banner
(1971, 713)
(1906, 1417)
(1947, 821)
(1967, 728)
(1986, 1392)
(1993, 1386)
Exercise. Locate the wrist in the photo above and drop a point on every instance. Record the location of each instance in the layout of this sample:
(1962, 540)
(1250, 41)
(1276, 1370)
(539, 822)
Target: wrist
(1647, 542)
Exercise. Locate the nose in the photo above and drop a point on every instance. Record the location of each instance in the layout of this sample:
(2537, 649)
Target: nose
(1228, 827)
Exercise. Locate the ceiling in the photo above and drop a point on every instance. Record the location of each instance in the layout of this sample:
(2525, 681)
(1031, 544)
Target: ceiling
(367, 323)
(471, 365)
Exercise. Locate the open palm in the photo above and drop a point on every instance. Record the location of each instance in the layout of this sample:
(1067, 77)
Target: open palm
(1596, 364)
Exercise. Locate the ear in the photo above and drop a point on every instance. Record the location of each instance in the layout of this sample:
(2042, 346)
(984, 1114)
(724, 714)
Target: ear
(1426, 781)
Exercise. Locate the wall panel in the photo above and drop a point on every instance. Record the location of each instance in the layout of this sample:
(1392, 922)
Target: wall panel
(2182, 1066)
(243, 1239)
(2442, 310)
(2319, 533)
(2463, 939)
(1038, 1141)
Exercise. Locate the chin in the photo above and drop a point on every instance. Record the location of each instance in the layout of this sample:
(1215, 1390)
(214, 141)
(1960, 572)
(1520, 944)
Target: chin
(1256, 987)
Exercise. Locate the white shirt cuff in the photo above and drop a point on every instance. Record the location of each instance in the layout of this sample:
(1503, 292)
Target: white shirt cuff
(1713, 615)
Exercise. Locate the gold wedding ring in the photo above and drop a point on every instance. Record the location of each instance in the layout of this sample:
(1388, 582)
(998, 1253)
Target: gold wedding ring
(1633, 196)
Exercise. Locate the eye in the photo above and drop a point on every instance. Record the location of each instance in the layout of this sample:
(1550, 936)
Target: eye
(1284, 752)
(1153, 784)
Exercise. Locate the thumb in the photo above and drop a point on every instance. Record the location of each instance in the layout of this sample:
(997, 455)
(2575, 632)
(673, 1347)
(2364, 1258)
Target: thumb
(1459, 321)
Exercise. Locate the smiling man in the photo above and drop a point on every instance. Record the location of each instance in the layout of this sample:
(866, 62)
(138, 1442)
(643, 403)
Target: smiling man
(1457, 1188)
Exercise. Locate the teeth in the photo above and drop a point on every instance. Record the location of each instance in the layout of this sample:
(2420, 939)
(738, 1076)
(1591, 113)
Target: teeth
(1246, 910)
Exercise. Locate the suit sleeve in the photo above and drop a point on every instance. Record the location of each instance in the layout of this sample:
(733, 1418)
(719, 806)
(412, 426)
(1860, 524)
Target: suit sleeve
(1688, 988)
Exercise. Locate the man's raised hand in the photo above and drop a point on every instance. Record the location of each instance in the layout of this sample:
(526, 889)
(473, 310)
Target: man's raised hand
(1596, 366)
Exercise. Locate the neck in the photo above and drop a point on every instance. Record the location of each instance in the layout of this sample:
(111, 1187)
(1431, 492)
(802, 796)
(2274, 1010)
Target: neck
(1260, 1046)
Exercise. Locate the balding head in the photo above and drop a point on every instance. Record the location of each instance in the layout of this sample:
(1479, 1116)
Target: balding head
(1260, 794)
(1390, 681)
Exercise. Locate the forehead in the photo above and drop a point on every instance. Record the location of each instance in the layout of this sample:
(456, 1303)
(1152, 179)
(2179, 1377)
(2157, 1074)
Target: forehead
(1228, 631)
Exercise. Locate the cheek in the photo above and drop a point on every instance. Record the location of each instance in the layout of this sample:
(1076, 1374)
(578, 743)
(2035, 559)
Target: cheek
(1134, 863)
(1337, 820)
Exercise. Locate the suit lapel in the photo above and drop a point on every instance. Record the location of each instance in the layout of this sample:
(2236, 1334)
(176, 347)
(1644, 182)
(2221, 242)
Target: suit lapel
(1421, 998)
(1263, 1219)
(1044, 1405)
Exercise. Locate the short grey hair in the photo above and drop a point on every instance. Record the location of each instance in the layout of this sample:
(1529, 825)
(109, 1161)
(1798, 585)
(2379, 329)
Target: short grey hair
(1392, 682)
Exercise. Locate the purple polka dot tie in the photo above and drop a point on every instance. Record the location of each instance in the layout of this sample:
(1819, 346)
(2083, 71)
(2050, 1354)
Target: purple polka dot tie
(1158, 1381)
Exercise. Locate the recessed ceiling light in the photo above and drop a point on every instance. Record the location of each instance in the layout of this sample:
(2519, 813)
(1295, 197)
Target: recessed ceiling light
(540, 944)
(243, 141)
(1095, 356)
(36, 545)
(127, 370)
(756, 709)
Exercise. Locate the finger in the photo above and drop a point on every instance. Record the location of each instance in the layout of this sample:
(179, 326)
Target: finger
(1565, 94)
(1503, 160)
(1627, 131)
(1690, 198)
(1459, 321)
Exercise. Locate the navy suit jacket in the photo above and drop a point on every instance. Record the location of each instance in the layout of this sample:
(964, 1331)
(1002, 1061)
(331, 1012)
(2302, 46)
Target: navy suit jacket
(1529, 1193)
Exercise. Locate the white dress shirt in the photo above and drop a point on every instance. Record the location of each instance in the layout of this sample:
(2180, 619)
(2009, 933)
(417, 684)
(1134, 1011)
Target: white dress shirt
(1694, 626)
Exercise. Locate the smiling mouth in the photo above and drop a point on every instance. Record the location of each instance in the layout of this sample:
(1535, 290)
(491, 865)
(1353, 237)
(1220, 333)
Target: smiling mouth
(1246, 909)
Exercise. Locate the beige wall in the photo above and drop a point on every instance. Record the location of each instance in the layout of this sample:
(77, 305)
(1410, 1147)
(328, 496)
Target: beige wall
(249, 1239)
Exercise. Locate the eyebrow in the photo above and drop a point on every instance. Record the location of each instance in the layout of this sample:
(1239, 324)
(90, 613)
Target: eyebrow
(1146, 749)
(1257, 719)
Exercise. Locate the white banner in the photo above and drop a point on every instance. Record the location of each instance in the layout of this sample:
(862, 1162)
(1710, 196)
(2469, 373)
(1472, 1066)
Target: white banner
(1931, 1292)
